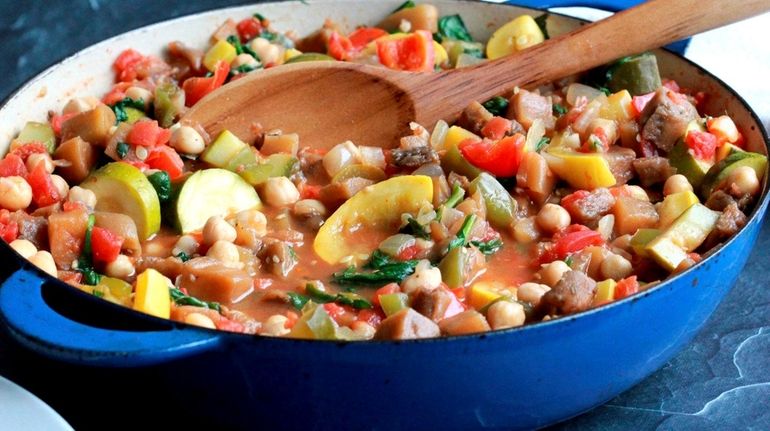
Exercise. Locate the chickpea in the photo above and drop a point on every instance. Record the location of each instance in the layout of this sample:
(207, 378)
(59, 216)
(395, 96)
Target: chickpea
(61, 186)
(80, 104)
(745, 180)
(37, 158)
(225, 252)
(553, 272)
(85, 196)
(244, 60)
(309, 208)
(15, 193)
(275, 326)
(252, 219)
(121, 267)
(199, 319)
(638, 193)
(43, 260)
(425, 276)
(616, 267)
(525, 231)
(187, 140)
(552, 218)
(217, 229)
(280, 191)
(267, 52)
(25, 248)
(623, 242)
(675, 184)
(532, 292)
(505, 314)
(185, 244)
(139, 93)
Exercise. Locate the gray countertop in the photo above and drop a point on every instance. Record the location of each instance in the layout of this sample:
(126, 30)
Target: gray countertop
(721, 380)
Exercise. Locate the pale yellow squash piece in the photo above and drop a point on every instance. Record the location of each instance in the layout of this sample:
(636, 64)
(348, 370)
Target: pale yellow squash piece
(519, 33)
(605, 291)
(152, 295)
(674, 205)
(221, 51)
(483, 293)
(371, 214)
(587, 171)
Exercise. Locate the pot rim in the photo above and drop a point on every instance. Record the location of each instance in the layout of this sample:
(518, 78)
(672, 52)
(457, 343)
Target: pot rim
(542, 325)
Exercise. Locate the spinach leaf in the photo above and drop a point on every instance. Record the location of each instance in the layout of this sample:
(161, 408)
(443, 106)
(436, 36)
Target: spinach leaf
(297, 300)
(122, 149)
(382, 270)
(541, 22)
(488, 247)
(462, 236)
(240, 49)
(542, 143)
(180, 298)
(408, 4)
(119, 108)
(413, 227)
(85, 261)
(497, 106)
(277, 38)
(343, 298)
(559, 109)
(452, 27)
(183, 256)
(161, 182)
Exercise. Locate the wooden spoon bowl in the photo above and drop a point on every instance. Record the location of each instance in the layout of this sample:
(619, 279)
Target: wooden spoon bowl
(330, 102)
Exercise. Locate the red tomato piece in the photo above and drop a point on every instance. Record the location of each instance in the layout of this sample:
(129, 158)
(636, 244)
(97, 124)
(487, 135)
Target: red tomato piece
(408, 253)
(13, 166)
(147, 133)
(496, 128)
(248, 29)
(58, 120)
(166, 159)
(364, 35)
(225, 324)
(125, 63)
(73, 206)
(105, 245)
(117, 93)
(9, 230)
(310, 191)
(370, 316)
(639, 102)
(626, 287)
(44, 192)
(29, 148)
(575, 240)
(339, 47)
(501, 159)
(196, 88)
(414, 53)
(702, 144)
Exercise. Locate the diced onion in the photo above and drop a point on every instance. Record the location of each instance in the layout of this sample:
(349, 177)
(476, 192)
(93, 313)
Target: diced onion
(576, 90)
(439, 135)
(393, 245)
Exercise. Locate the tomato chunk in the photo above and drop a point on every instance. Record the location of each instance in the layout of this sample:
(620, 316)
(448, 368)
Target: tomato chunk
(166, 159)
(12, 166)
(639, 102)
(125, 64)
(196, 88)
(147, 133)
(9, 230)
(364, 35)
(702, 144)
(626, 287)
(496, 128)
(501, 159)
(105, 245)
(340, 47)
(248, 29)
(414, 53)
(44, 192)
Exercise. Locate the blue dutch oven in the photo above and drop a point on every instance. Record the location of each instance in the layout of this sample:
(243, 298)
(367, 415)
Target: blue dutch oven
(524, 378)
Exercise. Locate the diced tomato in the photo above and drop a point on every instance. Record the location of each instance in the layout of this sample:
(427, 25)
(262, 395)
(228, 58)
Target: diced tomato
(9, 230)
(166, 159)
(639, 102)
(408, 253)
(501, 159)
(371, 316)
(147, 133)
(335, 311)
(248, 29)
(124, 64)
(58, 120)
(292, 318)
(105, 245)
(574, 239)
(626, 287)
(44, 192)
(310, 191)
(29, 148)
(339, 46)
(385, 290)
(225, 324)
(571, 201)
(196, 88)
(13, 166)
(702, 144)
(364, 35)
(117, 93)
(496, 128)
(671, 85)
(414, 53)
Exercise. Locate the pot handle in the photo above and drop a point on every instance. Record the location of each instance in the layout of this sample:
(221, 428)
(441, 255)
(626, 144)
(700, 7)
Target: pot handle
(34, 323)
(609, 5)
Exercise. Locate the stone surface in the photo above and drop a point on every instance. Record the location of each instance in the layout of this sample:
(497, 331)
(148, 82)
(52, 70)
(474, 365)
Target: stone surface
(722, 380)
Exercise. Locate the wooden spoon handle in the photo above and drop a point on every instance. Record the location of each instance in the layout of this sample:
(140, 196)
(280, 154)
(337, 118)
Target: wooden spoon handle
(650, 25)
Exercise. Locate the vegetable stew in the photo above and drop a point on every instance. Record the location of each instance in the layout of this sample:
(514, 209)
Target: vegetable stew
(536, 204)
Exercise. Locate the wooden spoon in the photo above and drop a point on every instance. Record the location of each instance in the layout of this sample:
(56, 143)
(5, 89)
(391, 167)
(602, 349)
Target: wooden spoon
(330, 102)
